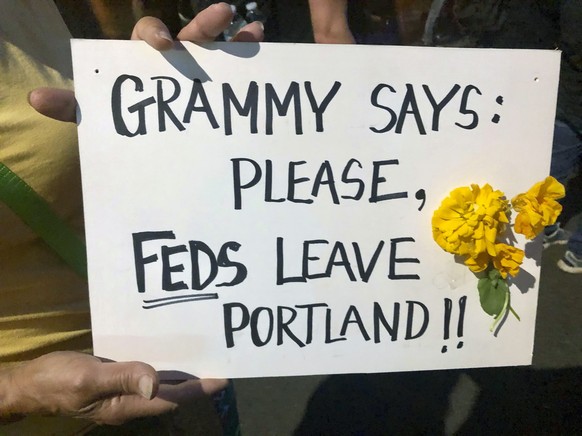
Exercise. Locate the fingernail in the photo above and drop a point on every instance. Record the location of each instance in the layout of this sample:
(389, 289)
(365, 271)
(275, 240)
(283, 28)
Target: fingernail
(31, 95)
(165, 35)
(146, 386)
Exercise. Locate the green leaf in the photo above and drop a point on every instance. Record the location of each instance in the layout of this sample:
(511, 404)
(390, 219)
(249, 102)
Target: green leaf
(494, 274)
(493, 291)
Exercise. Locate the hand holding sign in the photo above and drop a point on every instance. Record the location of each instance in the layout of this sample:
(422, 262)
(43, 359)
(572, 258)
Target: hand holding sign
(83, 386)
(60, 104)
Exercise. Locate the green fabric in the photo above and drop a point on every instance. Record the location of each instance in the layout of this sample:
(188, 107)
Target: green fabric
(38, 215)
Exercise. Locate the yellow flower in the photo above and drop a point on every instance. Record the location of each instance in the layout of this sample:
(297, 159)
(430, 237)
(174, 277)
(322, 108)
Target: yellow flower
(468, 221)
(538, 207)
(507, 260)
(479, 263)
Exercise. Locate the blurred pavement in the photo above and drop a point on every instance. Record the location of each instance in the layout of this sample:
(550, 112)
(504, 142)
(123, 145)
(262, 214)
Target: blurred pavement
(545, 398)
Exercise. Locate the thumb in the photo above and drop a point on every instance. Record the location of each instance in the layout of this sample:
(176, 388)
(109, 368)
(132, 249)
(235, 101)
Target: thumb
(154, 32)
(59, 104)
(131, 378)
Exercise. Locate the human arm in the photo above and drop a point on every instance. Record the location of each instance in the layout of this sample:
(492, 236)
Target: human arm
(82, 386)
(330, 22)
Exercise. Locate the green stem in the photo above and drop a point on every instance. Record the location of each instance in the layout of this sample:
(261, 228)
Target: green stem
(514, 313)
(501, 314)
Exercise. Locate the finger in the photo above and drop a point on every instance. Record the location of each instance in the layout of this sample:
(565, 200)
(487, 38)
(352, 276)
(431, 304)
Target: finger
(190, 389)
(120, 378)
(208, 24)
(121, 409)
(253, 32)
(154, 32)
(58, 104)
(212, 386)
(118, 410)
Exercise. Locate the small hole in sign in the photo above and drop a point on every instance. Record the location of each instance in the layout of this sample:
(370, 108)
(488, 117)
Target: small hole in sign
(97, 71)
(536, 79)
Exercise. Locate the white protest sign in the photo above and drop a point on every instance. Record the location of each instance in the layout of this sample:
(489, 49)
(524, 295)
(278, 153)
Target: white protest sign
(265, 209)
